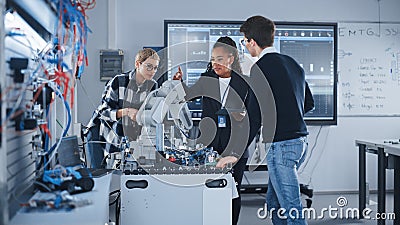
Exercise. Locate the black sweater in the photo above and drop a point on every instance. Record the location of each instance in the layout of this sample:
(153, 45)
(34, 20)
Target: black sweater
(237, 135)
(288, 93)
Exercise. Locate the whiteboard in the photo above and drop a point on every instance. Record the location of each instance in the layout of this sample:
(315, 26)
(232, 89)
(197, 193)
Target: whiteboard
(369, 69)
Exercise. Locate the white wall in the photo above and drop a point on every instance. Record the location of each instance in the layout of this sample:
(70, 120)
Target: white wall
(3, 152)
(140, 23)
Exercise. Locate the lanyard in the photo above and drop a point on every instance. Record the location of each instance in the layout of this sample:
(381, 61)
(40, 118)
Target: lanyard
(224, 96)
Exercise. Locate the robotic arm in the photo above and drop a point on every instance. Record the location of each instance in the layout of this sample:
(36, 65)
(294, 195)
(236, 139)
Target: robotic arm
(170, 97)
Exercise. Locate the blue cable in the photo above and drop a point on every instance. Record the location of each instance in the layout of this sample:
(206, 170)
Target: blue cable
(68, 121)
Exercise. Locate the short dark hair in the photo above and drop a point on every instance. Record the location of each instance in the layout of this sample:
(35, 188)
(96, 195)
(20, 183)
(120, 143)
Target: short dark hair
(260, 29)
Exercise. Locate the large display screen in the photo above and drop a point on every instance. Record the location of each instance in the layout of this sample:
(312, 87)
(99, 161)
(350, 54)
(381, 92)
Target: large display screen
(312, 45)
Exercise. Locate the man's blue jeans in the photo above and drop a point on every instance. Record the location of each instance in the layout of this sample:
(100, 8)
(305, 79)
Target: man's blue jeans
(283, 195)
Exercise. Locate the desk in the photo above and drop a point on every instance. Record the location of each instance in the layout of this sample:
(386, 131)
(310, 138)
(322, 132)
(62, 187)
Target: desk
(381, 148)
(96, 213)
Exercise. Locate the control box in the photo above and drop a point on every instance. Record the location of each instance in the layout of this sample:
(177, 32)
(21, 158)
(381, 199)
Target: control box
(110, 63)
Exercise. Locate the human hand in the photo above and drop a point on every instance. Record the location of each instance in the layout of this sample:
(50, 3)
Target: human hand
(238, 116)
(131, 113)
(223, 162)
(178, 75)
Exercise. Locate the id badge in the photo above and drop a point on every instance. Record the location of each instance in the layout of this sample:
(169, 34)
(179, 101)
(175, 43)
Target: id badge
(221, 121)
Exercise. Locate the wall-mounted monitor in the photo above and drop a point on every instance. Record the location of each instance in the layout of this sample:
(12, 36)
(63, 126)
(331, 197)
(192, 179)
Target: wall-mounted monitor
(312, 44)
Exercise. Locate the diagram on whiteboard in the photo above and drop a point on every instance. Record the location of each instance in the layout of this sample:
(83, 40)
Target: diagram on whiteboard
(369, 69)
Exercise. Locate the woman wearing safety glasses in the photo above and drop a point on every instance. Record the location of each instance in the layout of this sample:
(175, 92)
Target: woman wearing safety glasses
(122, 97)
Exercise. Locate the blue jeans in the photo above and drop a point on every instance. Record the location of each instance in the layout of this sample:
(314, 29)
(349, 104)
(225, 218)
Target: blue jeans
(283, 194)
(95, 150)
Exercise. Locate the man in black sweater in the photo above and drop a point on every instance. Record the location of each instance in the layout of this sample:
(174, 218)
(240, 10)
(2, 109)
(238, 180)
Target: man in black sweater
(282, 97)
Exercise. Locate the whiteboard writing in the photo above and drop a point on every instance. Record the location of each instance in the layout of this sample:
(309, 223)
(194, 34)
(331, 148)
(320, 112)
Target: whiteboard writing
(377, 30)
(369, 69)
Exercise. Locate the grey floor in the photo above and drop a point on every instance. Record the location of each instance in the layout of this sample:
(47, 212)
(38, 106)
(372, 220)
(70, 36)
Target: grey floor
(252, 202)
